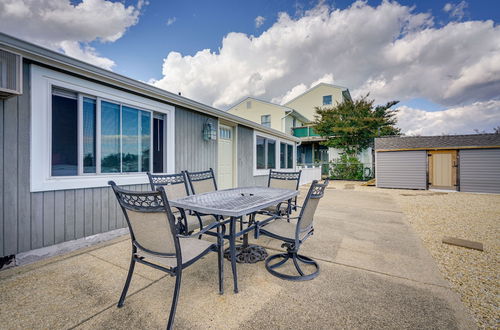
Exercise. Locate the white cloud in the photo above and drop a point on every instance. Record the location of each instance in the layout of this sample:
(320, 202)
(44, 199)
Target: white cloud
(456, 11)
(171, 20)
(85, 53)
(58, 24)
(301, 88)
(259, 20)
(391, 51)
(483, 116)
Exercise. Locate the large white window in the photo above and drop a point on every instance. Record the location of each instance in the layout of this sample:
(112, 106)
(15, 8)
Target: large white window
(125, 138)
(84, 134)
(272, 153)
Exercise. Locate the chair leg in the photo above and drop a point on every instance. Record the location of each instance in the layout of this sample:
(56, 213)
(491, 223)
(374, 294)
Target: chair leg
(220, 253)
(175, 298)
(232, 248)
(294, 257)
(271, 268)
(127, 282)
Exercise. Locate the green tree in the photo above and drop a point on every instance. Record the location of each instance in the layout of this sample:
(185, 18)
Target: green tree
(353, 124)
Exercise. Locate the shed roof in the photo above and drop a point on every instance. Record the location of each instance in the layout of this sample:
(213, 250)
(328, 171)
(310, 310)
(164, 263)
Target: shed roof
(437, 142)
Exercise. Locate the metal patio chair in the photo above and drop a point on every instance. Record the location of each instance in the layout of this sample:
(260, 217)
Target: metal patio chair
(176, 186)
(157, 242)
(283, 180)
(202, 182)
(293, 235)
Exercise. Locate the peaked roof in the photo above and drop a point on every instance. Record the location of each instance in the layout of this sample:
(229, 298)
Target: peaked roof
(342, 88)
(285, 108)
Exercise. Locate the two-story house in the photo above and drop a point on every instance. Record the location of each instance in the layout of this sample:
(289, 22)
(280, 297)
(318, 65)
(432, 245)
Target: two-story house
(296, 117)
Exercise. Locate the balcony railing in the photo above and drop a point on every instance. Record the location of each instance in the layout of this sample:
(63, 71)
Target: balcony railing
(305, 131)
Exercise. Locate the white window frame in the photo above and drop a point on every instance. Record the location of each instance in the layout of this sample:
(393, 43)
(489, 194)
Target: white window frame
(267, 124)
(277, 165)
(286, 155)
(42, 80)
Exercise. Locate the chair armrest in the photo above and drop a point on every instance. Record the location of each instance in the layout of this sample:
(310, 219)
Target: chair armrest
(201, 232)
(259, 224)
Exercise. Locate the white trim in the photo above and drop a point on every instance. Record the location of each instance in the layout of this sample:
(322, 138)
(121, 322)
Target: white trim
(42, 80)
(259, 172)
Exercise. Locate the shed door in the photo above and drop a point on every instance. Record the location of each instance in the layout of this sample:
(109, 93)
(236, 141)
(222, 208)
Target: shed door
(401, 169)
(443, 169)
(225, 158)
(480, 170)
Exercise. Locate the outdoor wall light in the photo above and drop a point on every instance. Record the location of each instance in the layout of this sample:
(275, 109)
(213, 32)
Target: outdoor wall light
(209, 131)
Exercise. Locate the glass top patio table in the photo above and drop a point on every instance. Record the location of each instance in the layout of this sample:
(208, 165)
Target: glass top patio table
(235, 202)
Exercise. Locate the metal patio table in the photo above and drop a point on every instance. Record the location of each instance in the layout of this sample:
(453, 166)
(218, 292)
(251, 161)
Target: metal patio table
(235, 204)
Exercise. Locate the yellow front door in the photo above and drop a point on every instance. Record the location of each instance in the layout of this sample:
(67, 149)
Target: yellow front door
(442, 169)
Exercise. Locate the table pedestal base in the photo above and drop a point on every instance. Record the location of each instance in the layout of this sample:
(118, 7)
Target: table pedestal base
(247, 254)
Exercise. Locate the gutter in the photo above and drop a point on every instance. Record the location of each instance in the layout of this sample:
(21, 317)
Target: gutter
(54, 59)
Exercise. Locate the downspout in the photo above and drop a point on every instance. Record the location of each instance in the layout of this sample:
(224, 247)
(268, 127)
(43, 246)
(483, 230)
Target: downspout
(282, 122)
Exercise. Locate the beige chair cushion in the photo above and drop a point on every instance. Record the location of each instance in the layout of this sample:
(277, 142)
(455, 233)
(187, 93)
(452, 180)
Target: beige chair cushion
(283, 228)
(190, 249)
(193, 223)
(283, 184)
(203, 186)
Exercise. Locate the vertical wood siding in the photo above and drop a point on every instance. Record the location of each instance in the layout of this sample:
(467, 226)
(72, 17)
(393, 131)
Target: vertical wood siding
(402, 169)
(245, 160)
(480, 170)
(192, 152)
(34, 220)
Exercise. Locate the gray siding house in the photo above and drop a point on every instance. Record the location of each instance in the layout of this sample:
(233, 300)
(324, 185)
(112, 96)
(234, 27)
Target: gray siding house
(67, 127)
(469, 163)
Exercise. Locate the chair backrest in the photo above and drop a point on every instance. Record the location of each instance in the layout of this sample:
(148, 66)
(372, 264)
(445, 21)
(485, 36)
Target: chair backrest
(284, 180)
(202, 182)
(306, 217)
(150, 221)
(175, 185)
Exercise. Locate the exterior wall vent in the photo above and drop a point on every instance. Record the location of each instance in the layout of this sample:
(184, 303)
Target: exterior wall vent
(10, 74)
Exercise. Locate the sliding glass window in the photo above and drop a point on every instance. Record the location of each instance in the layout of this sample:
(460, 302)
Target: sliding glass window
(289, 156)
(286, 155)
(89, 135)
(266, 153)
(145, 149)
(261, 152)
(110, 137)
(136, 140)
(93, 136)
(64, 132)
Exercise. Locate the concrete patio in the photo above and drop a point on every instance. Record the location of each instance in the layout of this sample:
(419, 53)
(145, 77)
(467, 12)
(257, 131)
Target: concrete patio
(375, 273)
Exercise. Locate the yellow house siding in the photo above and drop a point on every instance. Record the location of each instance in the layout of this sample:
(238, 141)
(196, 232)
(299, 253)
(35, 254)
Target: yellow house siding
(306, 103)
(258, 109)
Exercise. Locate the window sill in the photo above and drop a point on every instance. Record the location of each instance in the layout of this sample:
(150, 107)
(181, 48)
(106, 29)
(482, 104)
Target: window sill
(88, 181)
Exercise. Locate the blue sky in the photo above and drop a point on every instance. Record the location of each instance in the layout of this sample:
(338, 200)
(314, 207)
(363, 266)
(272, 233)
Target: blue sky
(440, 58)
(203, 24)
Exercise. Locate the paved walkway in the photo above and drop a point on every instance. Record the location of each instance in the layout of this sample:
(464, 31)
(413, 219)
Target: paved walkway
(375, 273)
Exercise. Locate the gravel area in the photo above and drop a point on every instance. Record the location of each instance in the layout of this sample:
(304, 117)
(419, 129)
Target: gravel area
(474, 275)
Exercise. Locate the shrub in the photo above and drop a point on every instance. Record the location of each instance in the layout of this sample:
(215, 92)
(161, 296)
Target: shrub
(346, 168)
